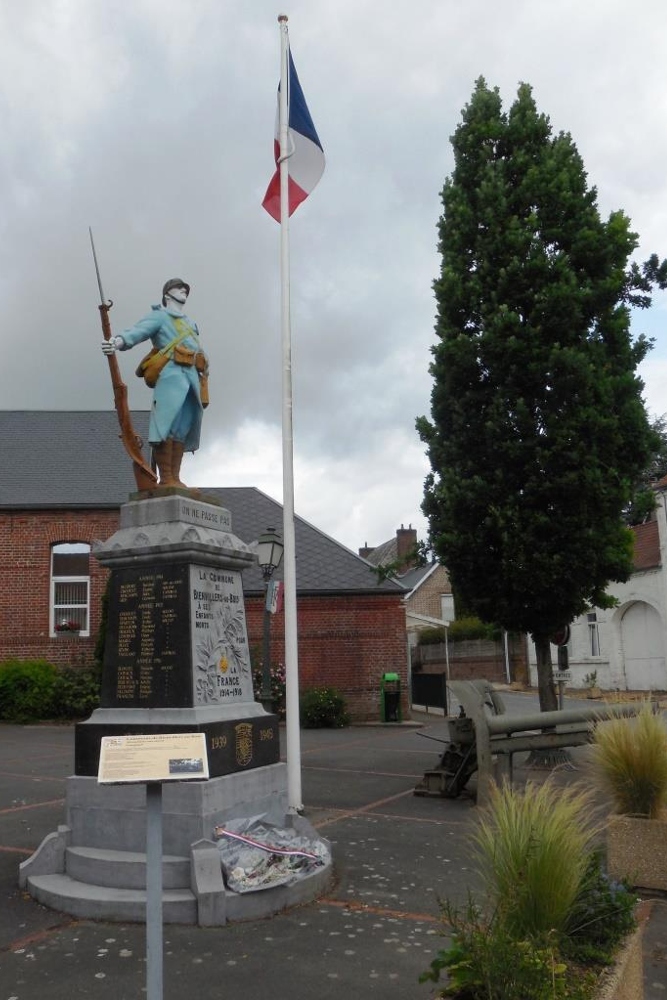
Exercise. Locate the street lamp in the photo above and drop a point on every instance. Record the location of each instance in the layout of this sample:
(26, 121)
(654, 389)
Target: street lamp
(269, 555)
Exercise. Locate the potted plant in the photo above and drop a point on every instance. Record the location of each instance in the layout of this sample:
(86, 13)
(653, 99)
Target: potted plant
(67, 625)
(630, 764)
(591, 684)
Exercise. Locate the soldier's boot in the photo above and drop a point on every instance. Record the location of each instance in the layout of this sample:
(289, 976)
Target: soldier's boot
(163, 453)
(176, 458)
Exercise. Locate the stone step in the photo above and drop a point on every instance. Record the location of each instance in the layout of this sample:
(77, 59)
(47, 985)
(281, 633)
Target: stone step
(95, 902)
(123, 869)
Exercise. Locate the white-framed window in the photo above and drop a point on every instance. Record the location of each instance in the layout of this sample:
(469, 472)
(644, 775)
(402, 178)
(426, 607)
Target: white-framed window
(70, 588)
(447, 607)
(593, 633)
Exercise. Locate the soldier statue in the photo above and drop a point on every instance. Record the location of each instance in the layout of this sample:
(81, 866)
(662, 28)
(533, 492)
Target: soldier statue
(176, 369)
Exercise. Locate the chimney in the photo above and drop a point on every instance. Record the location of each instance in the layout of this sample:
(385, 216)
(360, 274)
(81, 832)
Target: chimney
(406, 540)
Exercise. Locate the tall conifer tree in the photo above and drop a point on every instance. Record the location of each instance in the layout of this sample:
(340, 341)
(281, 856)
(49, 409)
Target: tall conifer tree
(538, 431)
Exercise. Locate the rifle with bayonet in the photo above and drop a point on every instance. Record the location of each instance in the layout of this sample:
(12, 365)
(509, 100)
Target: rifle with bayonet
(145, 477)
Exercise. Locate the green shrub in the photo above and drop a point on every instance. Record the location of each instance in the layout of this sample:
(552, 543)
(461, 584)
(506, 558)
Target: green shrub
(486, 962)
(602, 915)
(35, 690)
(101, 639)
(473, 628)
(26, 690)
(77, 692)
(323, 708)
(459, 631)
(630, 760)
(432, 636)
(533, 849)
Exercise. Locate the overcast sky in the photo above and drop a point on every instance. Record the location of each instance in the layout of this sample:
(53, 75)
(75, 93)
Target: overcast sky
(152, 121)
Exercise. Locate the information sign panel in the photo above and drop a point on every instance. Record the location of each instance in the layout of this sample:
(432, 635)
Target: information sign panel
(146, 758)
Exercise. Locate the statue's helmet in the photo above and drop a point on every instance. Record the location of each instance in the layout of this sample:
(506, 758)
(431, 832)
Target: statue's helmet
(173, 283)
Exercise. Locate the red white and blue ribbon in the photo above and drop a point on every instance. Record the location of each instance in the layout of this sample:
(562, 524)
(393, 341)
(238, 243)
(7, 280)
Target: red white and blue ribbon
(269, 848)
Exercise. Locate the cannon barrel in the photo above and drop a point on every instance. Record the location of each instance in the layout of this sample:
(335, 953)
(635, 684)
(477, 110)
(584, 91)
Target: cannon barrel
(484, 732)
(548, 720)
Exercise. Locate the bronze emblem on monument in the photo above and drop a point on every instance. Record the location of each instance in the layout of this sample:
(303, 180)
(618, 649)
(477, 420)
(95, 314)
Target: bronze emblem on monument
(243, 743)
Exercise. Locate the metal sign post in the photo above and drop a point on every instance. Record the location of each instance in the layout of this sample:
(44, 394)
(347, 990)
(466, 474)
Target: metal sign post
(152, 760)
(562, 675)
(154, 960)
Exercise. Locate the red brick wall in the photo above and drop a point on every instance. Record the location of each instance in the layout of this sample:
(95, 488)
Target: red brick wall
(25, 567)
(470, 669)
(344, 642)
(474, 659)
(347, 642)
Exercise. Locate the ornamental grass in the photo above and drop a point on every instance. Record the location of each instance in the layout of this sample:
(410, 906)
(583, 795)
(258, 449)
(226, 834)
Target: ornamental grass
(532, 851)
(630, 761)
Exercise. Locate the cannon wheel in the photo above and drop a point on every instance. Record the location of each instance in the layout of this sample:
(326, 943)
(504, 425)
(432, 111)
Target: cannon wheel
(459, 766)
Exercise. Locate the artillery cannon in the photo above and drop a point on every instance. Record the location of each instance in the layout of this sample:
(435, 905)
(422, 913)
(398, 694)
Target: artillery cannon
(484, 729)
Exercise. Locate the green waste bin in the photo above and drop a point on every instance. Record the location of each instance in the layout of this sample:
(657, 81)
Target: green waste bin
(390, 698)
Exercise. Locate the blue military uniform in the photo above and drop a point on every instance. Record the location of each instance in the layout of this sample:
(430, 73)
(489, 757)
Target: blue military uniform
(177, 406)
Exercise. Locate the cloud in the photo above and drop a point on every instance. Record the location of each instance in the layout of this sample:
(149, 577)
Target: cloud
(153, 122)
(334, 494)
(654, 376)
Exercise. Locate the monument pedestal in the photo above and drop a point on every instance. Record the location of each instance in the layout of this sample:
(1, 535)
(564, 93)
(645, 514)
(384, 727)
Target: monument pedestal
(176, 660)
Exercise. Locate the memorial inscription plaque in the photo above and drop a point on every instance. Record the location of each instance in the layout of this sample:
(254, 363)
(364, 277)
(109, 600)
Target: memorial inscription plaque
(147, 653)
(220, 656)
(176, 638)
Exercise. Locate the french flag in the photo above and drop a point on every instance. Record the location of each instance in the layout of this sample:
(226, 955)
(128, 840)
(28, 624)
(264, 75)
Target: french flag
(306, 156)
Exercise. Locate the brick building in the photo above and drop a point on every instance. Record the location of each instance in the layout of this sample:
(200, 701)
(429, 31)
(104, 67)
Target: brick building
(65, 475)
(428, 600)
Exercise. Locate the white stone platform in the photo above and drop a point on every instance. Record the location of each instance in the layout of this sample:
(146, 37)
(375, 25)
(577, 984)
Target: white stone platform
(94, 866)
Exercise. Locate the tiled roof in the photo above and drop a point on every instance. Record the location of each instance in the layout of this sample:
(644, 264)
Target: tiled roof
(322, 564)
(74, 459)
(415, 577)
(385, 553)
(647, 546)
(65, 458)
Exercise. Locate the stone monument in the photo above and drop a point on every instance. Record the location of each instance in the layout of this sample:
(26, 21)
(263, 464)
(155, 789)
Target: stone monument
(176, 655)
(176, 660)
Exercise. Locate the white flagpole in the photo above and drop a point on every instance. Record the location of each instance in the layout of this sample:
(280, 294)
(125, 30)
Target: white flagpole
(293, 733)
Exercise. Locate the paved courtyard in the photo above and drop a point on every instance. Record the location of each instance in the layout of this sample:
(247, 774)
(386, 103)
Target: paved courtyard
(371, 934)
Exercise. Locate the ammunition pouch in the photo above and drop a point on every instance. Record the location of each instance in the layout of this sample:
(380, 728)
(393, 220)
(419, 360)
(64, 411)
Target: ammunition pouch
(203, 390)
(184, 356)
(149, 368)
(201, 366)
